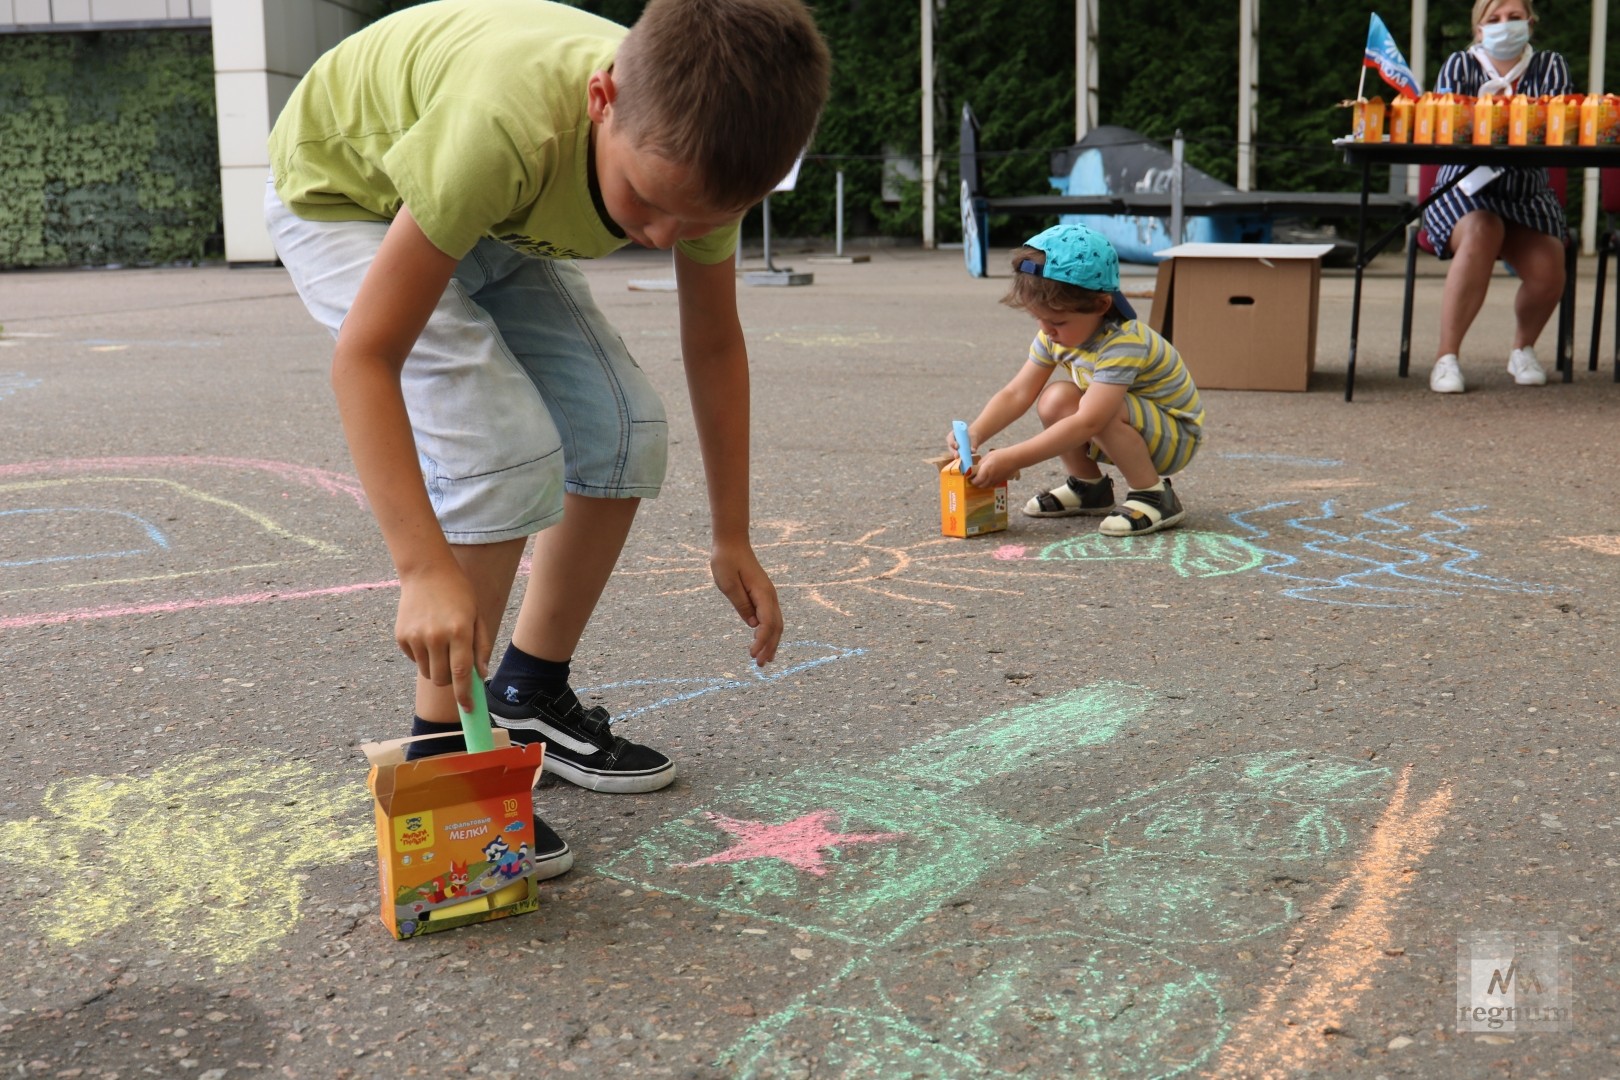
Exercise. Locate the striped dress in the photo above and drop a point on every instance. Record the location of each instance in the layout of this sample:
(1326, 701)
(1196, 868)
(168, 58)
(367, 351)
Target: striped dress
(1521, 195)
(1160, 398)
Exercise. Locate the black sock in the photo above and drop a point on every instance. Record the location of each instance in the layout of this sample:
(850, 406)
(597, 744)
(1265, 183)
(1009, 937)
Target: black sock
(521, 676)
(451, 742)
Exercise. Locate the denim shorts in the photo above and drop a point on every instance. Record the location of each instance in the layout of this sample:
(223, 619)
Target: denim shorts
(518, 388)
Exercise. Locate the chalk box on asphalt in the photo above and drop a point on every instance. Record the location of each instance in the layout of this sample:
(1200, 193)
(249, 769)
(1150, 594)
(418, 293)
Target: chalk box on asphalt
(455, 834)
(966, 510)
(1243, 316)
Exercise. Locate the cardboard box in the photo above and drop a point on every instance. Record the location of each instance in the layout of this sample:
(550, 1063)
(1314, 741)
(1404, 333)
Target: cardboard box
(454, 834)
(966, 510)
(1243, 316)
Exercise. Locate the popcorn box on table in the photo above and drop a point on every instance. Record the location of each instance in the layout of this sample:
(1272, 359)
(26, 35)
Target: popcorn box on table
(1367, 119)
(1491, 116)
(1527, 121)
(1423, 119)
(1400, 120)
(455, 834)
(1563, 120)
(1600, 120)
(1453, 120)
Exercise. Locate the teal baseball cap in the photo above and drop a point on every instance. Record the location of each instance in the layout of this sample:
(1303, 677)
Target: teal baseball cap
(1077, 255)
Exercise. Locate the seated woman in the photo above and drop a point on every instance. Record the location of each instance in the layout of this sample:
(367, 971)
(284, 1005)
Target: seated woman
(1515, 217)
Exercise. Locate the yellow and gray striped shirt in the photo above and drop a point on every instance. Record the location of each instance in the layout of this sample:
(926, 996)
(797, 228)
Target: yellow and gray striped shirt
(1133, 355)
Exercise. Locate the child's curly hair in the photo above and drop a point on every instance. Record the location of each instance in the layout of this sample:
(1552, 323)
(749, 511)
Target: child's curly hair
(1033, 291)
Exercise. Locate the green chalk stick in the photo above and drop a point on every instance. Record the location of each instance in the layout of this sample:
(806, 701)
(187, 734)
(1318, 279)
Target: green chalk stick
(475, 724)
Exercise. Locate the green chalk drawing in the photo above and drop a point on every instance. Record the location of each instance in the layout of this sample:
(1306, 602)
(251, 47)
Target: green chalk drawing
(877, 891)
(1185, 902)
(1050, 1005)
(1088, 988)
(1023, 739)
(1193, 553)
(1230, 825)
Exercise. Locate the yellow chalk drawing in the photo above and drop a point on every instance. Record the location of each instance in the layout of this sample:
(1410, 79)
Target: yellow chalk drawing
(208, 854)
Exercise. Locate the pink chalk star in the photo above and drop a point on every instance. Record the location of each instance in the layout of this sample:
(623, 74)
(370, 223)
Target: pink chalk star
(798, 843)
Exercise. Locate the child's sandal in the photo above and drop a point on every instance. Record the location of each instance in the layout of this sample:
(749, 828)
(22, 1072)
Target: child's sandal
(1073, 496)
(1144, 512)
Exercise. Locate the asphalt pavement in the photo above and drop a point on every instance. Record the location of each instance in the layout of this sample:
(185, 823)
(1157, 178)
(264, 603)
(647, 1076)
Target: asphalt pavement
(1239, 799)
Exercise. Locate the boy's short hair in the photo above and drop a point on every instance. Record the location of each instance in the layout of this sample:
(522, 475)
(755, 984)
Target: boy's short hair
(732, 88)
(1065, 268)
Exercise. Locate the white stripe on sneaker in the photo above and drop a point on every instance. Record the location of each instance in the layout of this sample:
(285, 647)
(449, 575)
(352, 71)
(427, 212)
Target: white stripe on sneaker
(578, 746)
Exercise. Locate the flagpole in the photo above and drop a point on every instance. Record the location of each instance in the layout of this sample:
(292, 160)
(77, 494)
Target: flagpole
(1361, 87)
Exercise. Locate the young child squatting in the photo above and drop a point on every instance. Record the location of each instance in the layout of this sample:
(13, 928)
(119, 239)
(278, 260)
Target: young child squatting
(1126, 398)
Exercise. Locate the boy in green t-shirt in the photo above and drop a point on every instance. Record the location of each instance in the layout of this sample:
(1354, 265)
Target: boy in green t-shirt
(433, 176)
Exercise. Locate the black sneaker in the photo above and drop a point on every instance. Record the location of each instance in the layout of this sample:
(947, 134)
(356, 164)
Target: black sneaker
(580, 745)
(552, 856)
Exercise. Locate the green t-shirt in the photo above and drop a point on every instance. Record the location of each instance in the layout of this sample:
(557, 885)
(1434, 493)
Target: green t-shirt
(470, 112)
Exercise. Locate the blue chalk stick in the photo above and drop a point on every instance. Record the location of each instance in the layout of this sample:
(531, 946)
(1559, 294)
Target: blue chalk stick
(962, 447)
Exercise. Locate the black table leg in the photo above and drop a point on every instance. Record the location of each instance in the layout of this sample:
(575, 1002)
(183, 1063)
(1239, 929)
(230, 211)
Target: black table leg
(1355, 299)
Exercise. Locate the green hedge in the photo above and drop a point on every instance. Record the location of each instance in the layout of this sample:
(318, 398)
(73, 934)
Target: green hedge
(110, 148)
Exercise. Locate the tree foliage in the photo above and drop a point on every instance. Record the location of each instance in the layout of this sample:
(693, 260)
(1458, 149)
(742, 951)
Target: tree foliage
(1162, 68)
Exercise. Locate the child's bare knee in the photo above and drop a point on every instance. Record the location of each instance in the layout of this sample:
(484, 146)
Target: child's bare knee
(1056, 403)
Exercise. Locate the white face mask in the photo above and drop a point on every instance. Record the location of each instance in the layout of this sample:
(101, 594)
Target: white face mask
(1505, 40)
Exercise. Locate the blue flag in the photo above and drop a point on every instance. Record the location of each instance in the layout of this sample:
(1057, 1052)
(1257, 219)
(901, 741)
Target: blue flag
(1383, 54)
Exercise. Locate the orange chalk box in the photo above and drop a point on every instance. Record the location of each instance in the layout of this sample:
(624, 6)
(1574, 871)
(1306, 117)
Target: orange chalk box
(966, 510)
(455, 835)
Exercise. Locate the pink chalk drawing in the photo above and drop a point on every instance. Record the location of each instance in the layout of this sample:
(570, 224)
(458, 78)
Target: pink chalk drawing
(62, 490)
(323, 479)
(799, 842)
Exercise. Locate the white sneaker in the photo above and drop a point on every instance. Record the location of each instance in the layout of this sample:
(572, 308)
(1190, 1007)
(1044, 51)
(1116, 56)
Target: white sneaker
(1446, 378)
(1525, 368)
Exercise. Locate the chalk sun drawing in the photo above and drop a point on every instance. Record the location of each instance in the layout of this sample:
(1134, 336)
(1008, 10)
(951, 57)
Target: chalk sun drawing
(1104, 982)
(836, 574)
(207, 854)
(1389, 564)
